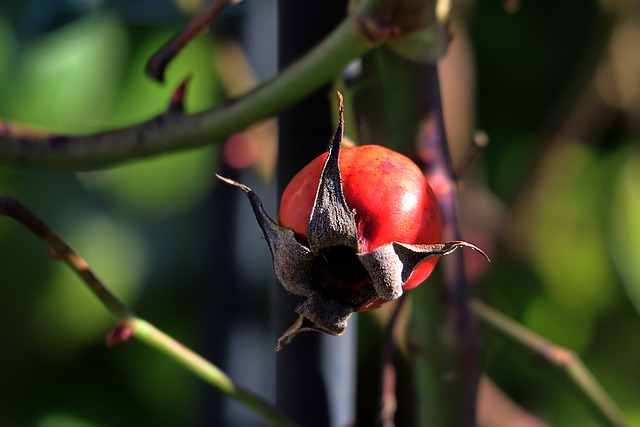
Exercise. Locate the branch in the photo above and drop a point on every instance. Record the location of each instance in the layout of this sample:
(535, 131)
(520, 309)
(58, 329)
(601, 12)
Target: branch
(155, 338)
(61, 251)
(562, 359)
(175, 130)
(130, 325)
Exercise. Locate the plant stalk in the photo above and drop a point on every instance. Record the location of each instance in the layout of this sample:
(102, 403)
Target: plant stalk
(559, 358)
(130, 325)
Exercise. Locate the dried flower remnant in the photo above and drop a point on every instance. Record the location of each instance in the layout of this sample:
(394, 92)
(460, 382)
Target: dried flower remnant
(354, 231)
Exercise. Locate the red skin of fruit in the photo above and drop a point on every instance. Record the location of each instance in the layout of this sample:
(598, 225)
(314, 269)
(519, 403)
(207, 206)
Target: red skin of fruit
(391, 197)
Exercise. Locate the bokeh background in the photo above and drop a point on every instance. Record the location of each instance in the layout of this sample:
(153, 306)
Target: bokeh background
(554, 198)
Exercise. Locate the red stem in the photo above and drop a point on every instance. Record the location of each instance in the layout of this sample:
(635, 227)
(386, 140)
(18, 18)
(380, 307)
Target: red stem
(434, 151)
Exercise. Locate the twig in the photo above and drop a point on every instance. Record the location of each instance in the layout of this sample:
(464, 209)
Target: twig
(173, 131)
(150, 335)
(566, 361)
(60, 250)
(130, 325)
(158, 63)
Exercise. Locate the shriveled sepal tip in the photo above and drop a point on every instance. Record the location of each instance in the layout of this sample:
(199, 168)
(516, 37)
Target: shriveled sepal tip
(332, 223)
(292, 261)
(412, 255)
(319, 315)
(391, 265)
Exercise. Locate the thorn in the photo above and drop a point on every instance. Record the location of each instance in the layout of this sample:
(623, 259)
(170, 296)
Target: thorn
(157, 64)
(177, 98)
(120, 333)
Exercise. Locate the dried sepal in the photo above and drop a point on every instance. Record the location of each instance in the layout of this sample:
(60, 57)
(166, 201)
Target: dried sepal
(391, 265)
(326, 315)
(317, 315)
(292, 261)
(332, 223)
(385, 269)
(412, 255)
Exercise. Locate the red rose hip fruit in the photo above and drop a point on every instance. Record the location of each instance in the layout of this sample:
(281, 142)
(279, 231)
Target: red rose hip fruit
(357, 227)
(389, 194)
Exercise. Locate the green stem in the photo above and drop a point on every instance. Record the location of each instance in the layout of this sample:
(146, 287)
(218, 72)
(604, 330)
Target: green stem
(155, 338)
(175, 130)
(126, 319)
(566, 361)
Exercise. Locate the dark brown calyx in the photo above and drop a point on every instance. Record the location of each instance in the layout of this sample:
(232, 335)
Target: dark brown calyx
(337, 271)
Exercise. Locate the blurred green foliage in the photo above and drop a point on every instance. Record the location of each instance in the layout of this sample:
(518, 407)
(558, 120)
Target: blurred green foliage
(132, 223)
(567, 261)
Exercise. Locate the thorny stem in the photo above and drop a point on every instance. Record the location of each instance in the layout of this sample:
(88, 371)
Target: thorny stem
(139, 328)
(173, 130)
(557, 357)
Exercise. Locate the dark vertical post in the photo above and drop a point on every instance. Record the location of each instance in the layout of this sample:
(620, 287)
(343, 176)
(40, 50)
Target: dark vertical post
(219, 299)
(305, 130)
